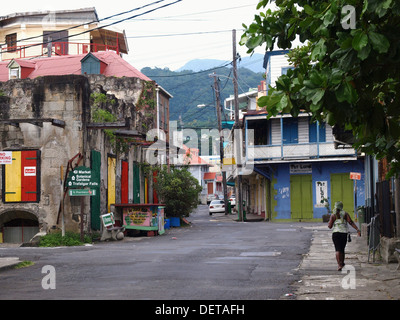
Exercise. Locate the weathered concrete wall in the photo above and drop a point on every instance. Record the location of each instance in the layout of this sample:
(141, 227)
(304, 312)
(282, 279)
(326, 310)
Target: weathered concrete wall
(126, 92)
(62, 98)
(67, 98)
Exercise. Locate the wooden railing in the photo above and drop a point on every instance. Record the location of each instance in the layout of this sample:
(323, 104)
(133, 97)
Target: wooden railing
(58, 49)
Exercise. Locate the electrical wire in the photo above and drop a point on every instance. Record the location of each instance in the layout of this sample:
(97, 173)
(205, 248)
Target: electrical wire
(193, 73)
(101, 27)
(178, 34)
(88, 23)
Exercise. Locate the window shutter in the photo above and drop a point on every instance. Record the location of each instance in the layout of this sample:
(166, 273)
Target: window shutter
(29, 174)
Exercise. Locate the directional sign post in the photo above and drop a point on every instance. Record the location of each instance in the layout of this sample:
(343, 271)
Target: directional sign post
(81, 192)
(355, 176)
(80, 182)
(81, 177)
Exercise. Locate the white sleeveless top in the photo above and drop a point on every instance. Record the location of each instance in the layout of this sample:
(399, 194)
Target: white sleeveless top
(340, 225)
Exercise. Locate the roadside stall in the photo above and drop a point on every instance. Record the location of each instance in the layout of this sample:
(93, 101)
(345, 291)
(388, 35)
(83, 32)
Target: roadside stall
(148, 217)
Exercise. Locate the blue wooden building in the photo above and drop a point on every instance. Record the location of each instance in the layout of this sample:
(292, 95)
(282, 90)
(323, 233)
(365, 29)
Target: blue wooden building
(297, 167)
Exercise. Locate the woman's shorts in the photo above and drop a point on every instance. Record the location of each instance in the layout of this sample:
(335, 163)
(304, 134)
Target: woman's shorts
(339, 240)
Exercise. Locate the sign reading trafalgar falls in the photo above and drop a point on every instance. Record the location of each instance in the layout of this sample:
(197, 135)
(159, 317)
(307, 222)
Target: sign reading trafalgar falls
(81, 177)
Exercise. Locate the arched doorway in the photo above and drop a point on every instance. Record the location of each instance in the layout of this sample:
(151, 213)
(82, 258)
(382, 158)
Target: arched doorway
(18, 226)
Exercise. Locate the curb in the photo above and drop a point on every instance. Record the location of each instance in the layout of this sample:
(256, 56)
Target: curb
(8, 263)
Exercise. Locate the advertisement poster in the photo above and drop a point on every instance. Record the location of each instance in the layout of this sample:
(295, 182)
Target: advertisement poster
(138, 216)
(321, 193)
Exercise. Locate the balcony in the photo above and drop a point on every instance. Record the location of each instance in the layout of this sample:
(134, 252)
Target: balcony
(58, 49)
(303, 151)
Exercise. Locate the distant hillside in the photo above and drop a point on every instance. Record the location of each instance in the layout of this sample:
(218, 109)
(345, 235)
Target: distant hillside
(191, 89)
(253, 63)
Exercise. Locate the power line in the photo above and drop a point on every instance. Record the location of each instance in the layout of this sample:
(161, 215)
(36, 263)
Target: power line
(193, 73)
(94, 21)
(101, 27)
(210, 11)
(178, 34)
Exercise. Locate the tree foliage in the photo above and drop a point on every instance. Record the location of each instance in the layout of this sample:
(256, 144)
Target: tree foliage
(179, 191)
(346, 75)
(193, 88)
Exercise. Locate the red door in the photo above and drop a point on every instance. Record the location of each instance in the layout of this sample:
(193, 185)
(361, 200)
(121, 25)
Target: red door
(210, 188)
(124, 182)
(155, 196)
(29, 174)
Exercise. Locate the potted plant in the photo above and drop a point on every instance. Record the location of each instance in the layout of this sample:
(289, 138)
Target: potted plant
(179, 192)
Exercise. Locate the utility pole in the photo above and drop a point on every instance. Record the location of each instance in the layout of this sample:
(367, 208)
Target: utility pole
(238, 155)
(221, 140)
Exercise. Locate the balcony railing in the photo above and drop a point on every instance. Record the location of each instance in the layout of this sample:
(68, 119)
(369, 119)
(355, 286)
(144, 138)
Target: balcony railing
(297, 151)
(58, 49)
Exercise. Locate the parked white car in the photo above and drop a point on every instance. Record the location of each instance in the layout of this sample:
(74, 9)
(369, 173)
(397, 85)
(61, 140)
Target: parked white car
(232, 199)
(211, 197)
(216, 206)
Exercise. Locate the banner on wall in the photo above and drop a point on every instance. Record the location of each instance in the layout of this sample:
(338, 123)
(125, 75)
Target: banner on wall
(321, 193)
(300, 168)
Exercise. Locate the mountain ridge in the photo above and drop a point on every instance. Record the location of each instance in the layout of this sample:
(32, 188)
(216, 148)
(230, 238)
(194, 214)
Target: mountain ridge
(193, 88)
(253, 63)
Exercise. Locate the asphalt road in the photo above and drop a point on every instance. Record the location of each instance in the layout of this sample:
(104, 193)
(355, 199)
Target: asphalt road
(213, 259)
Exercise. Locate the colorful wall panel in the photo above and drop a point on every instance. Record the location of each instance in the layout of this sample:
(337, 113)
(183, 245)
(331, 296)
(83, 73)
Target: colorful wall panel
(21, 178)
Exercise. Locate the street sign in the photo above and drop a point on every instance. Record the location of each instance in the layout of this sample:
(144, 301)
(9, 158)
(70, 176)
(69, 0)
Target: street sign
(81, 192)
(6, 157)
(108, 219)
(81, 177)
(355, 176)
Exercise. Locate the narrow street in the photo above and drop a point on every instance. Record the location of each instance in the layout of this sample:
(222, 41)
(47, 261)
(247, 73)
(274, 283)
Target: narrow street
(215, 258)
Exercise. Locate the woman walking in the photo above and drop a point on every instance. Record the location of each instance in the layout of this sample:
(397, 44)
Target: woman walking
(339, 221)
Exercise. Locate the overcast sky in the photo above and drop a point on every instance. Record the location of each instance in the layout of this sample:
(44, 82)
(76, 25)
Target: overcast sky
(153, 39)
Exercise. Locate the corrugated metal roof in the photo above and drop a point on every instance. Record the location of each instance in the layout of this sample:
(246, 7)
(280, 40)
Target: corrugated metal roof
(71, 64)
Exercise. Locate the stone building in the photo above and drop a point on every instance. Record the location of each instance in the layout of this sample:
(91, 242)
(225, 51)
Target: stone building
(54, 123)
(68, 99)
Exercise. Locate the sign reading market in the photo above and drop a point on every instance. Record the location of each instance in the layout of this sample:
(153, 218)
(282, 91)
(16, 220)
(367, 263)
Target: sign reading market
(79, 178)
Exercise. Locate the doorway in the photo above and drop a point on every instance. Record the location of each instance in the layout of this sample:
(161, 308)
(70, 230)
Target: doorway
(342, 189)
(301, 206)
(18, 226)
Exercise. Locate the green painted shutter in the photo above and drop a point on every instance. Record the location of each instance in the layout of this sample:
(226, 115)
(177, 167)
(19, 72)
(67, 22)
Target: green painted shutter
(95, 162)
(301, 205)
(342, 189)
(136, 183)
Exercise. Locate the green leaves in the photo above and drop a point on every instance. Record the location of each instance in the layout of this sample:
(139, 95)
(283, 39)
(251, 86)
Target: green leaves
(346, 92)
(319, 50)
(254, 42)
(360, 40)
(379, 42)
(347, 76)
(179, 190)
(276, 102)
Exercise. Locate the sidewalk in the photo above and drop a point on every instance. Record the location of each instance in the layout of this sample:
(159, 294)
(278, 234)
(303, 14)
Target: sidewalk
(320, 279)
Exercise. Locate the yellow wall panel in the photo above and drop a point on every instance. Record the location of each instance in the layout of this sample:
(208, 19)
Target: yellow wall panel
(13, 178)
(112, 164)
